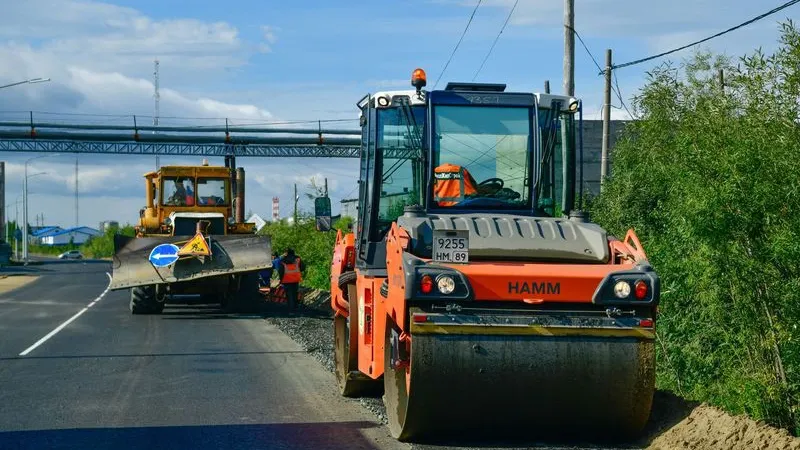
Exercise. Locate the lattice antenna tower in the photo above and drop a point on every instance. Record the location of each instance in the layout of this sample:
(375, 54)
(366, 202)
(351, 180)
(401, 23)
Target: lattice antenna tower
(157, 98)
(156, 94)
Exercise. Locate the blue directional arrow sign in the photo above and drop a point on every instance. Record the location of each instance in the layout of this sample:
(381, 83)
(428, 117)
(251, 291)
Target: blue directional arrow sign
(164, 255)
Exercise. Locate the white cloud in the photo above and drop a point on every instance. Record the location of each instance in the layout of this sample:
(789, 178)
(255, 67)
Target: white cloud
(110, 37)
(268, 33)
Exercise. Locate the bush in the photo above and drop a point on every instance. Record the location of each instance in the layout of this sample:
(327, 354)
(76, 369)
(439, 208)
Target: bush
(103, 246)
(708, 179)
(314, 247)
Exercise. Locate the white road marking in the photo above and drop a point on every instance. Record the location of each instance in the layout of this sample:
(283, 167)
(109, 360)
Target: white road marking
(63, 325)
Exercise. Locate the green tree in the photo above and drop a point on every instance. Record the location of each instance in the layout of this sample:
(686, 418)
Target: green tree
(709, 180)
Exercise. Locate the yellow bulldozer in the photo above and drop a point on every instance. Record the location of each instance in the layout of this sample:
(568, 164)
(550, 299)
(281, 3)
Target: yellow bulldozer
(192, 239)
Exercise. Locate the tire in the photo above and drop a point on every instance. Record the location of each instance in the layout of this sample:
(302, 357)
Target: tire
(403, 425)
(345, 279)
(143, 301)
(351, 382)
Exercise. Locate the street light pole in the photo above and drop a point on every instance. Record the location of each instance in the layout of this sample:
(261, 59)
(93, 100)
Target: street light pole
(31, 81)
(25, 215)
(25, 207)
(16, 218)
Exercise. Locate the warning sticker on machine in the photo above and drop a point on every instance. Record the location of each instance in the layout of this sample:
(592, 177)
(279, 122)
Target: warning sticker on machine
(197, 246)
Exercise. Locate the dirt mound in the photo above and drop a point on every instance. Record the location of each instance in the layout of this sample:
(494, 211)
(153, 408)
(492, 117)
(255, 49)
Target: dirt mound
(678, 424)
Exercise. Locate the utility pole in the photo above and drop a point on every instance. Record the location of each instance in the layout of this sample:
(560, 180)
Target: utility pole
(569, 47)
(77, 217)
(606, 121)
(3, 209)
(546, 86)
(16, 227)
(721, 79)
(295, 205)
(326, 186)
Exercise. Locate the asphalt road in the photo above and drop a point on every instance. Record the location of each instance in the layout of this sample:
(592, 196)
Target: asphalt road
(77, 370)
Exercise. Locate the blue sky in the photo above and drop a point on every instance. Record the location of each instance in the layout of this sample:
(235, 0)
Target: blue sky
(257, 61)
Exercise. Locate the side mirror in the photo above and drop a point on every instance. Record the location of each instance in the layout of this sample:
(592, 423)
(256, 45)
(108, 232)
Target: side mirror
(322, 213)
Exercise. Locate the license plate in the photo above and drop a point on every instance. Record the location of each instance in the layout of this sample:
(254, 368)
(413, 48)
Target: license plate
(451, 246)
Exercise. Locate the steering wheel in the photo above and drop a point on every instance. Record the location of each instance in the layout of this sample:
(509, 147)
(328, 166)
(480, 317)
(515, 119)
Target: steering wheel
(493, 184)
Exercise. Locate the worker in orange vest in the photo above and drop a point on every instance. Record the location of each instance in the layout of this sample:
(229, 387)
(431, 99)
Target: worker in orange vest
(452, 184)
(290, 271)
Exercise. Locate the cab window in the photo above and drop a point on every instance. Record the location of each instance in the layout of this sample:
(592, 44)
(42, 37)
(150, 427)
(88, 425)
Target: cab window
(400, 146)
(212, 192)
(177, 191)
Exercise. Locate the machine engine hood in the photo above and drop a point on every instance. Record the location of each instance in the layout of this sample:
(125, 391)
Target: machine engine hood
(512, 237)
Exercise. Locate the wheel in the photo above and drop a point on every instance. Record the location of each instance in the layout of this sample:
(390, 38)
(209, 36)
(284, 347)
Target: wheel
(397, 386)
(352, 383)
(143, 300)
(491, 186)
(346, 279)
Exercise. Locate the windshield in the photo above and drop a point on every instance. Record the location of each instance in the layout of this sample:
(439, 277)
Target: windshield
(212, 191)
(177, 191)
(481, 157)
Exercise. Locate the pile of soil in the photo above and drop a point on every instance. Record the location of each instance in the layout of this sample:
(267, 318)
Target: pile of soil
(679, 424)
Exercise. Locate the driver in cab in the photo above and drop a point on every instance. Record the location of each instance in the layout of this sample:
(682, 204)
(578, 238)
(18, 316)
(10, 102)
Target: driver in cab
(452, 184)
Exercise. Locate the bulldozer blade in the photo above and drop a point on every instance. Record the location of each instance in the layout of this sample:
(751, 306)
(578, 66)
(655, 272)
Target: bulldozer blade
(229, 255)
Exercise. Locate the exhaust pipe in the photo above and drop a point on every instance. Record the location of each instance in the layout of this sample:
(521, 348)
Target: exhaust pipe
(239, 213)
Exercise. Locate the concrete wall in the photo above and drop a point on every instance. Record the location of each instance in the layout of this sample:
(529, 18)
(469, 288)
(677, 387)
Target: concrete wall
(592, 146)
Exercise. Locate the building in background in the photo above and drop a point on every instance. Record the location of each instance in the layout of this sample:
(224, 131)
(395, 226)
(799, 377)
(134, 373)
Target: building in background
(76, 236)
(349, 208)
(37, 231)
(108, 225)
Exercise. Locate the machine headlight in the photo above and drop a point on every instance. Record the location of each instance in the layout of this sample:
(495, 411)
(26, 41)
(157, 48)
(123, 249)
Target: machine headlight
(622, 289)
(446, 284)
(167, 221)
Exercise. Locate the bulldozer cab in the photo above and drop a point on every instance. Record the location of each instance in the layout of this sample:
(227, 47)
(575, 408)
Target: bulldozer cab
(180, 197)
(468, 149)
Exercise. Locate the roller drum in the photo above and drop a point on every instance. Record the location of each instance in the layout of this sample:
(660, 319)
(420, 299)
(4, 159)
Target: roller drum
(541, 385)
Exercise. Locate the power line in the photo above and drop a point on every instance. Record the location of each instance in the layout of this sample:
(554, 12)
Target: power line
(496, 39)
(743, 24)
(472, 16)
(616, 89)
(589, 52)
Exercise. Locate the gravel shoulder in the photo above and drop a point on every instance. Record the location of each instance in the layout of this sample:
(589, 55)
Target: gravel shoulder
(675, 423)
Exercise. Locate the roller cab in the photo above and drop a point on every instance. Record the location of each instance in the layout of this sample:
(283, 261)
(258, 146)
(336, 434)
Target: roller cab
(473, 289)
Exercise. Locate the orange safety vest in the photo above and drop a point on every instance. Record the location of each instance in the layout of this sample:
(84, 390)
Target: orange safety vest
(452, 184)
(291, 272)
